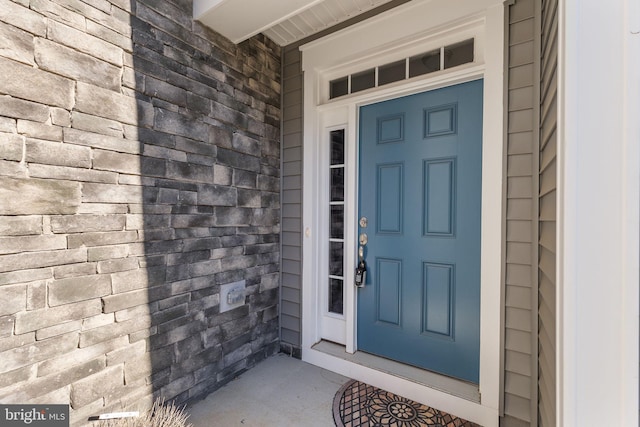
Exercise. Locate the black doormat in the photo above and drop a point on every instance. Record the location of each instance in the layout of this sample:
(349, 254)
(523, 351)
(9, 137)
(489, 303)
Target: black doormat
(360, 405)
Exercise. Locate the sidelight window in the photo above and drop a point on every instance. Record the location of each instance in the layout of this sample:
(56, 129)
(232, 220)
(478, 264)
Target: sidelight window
(336, 222)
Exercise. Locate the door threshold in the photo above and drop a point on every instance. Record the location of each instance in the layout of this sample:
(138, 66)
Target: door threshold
(443, 383)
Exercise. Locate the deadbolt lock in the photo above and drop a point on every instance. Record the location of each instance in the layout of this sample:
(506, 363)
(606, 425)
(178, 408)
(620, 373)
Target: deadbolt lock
(364, 222)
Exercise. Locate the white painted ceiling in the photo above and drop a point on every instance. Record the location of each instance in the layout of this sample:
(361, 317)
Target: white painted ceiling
(283, 21)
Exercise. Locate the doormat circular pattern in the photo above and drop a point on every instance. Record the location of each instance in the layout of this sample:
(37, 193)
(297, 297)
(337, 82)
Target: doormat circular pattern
(358, 404)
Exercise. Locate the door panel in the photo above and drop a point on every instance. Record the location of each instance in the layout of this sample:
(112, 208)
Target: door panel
(390, 205)
(438, 309)
(420, 188)
(389, 296)
(439, 197)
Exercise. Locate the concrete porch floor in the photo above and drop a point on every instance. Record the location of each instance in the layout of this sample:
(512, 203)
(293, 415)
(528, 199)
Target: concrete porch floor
(280, 391)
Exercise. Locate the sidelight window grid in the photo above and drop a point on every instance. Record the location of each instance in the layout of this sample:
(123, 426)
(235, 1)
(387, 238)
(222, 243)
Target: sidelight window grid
(335, 283)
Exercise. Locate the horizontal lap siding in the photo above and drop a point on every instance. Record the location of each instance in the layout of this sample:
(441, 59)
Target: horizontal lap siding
(521, 219)
(290, 321)
(547, 243)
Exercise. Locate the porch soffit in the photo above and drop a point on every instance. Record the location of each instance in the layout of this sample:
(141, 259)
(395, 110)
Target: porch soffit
(283, 21)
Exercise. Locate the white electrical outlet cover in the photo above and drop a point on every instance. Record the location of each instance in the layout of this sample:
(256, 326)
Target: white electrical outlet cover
(224, 294)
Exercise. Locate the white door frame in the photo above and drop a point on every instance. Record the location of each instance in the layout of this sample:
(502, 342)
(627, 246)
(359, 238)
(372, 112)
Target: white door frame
(416, 27)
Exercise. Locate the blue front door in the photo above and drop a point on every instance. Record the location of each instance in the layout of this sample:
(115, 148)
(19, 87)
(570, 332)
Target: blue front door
(420, 190)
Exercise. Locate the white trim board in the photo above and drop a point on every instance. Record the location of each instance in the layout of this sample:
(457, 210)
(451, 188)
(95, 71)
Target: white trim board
(598, 220)
(408, 28)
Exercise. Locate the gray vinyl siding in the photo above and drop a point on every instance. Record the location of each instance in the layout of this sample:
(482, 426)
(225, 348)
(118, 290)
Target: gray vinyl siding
(520, 316)
(547, 203)
(290, 312)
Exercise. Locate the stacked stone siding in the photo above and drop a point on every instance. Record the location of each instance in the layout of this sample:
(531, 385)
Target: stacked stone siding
(139, 171)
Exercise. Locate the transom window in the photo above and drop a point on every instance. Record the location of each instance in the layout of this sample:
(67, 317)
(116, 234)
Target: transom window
(428, 62)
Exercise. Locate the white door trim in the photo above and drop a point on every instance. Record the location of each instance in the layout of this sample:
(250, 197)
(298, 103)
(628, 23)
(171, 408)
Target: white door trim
(425, 22)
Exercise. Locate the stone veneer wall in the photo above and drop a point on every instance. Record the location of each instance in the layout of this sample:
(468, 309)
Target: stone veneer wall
(139, 171)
